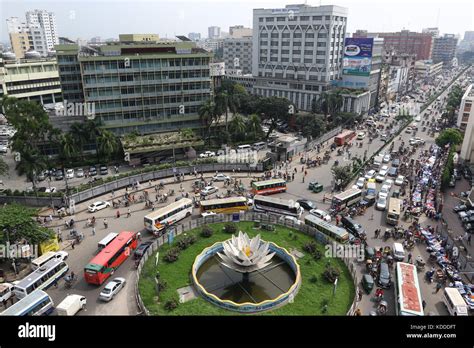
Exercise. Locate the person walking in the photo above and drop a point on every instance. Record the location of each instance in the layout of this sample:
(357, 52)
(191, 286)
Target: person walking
(409, 257)
(423, 303)
(118, 214)
(93, 231)
(106, 224)
(438, 287)
(129, 213)
(73, 243)
(469, 240)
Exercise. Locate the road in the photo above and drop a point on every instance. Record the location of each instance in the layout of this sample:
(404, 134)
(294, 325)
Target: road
(124, 303)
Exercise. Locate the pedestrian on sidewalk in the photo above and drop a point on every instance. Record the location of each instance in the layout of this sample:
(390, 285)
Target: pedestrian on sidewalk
(93, 231)
(409, 257)
(106, 224)
(129, 213)
(438, 287)
(72, 244)
(118, 214)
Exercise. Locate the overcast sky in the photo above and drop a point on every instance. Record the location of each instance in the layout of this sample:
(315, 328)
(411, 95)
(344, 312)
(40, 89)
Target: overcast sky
(108, 18)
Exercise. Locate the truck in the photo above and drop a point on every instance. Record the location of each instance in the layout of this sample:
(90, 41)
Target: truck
(71, 305)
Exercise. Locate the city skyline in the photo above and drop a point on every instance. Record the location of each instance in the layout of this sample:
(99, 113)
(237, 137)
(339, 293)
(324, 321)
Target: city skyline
(168, 18)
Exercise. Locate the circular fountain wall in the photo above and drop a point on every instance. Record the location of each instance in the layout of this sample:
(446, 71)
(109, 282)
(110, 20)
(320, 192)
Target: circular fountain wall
(268, 288)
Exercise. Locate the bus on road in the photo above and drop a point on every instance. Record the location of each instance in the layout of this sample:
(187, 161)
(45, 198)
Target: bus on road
(41, 278)
(268, 187)
(157, 221)
(346, 198)
(407, 290)
(37, 303)
(337, 233)
(277, 206)
(104, 264)
(344, 137)
(225, 205)
(393, 212)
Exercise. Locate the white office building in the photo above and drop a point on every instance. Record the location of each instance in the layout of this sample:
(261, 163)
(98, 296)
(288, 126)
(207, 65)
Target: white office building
(214, 32)
(237, 56)
(297, 51)
(466, 123)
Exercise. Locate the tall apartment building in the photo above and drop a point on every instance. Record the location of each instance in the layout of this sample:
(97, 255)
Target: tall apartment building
(238, 55)
(39, 32)
(444, 49)
(404, 42)
(214, 32)
(239, 31)
(466, 123)
(297, 51)
(142, 86)
(36, 80)
(194, 36)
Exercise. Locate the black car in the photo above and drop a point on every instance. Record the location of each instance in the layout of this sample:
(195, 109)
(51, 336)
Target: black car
(385, 280)
(92, 171)
(104, 170)
(353, 227)
(141, 250)
(460, 207)
(58, 174)
(306, 204)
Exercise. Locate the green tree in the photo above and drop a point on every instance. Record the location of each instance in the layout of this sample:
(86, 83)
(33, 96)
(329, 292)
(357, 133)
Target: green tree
(238, 127)
(3, 167)
(31, 164)
(207, 115)
(274, 109)
(68, 148)
(81, 135)
(449, 136)
(342, 175)
(254, 125)
(107, 143)
(311, 125)
(17, 223)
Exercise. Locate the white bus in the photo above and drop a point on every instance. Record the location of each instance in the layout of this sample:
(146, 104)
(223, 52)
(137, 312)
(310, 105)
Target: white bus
(393, 212)
(107, 240)
(41, 278)
(157, 221)
(346, 198)
(277, 206)
(48, 256)
(37, 303)
(337, 233)
(407, 291)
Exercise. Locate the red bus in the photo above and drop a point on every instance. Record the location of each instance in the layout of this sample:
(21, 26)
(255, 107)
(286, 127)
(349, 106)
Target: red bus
(110, 258)
(268, 187)
(344, 137)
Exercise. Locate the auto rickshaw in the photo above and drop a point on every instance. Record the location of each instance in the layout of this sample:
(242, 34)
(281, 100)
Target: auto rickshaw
(382, 308)
(367, 283)
(369, 253)
(315, 186)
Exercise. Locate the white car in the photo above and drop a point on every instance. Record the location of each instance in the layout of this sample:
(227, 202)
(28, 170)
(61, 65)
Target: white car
(51, 189)
(360, 183)
(408, 130)
(380, 178)
(3, 149)
(383, 170)
(321, 214)
(111, 289)
(79, 173)
(388, 182)
(69, 173)
(360, 135)
(220, 177)
(208, 213)
(386, 158)
(384, 191)
(381, 203)
(207, 154)
(290, 220)
(96, 206)
(370, 174)
(208, 190)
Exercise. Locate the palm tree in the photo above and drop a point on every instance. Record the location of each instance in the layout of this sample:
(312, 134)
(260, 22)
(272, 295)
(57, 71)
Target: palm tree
(68, 146)
(238, 125)
(254, 125)
(207, 115)
(80, 135)
(30, 165)
(107, 143)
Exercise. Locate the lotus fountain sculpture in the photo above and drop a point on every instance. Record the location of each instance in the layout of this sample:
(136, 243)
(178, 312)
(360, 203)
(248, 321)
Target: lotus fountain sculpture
(245, 255)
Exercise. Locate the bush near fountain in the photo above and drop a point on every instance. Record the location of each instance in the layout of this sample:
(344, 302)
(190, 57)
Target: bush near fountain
(310, 300)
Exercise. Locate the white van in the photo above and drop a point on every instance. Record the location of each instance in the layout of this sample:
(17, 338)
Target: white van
(243, 148)
(40, 261)
(71, 305)
(398, 252)
(5, 291)
(454, 302)
(259, 146)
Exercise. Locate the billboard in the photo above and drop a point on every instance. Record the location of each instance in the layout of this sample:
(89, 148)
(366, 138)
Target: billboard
(217, 69)
(357, 56)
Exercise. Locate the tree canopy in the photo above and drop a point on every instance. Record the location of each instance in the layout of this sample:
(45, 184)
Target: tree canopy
(449, 136)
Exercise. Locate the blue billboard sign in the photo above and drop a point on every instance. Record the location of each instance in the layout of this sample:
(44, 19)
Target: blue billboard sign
(357, 56)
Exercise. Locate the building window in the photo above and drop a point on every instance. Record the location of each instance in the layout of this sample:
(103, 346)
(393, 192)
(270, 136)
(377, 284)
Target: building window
(270, 19)
(317, 18)
(281, 19)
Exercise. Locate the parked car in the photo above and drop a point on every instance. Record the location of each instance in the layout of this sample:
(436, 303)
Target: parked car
(464, 213)
(79, 173)
(42, 176)
(69, 173)
(220, 177)
(58, 174)
(399, 180)
(460, 207)
(104, 170)
(467, 219)
(92, 171)
(111, 289)
(321, 214)
(207, 154)
(208, 190)
(141, 250)
(96, 206)
(306, 204)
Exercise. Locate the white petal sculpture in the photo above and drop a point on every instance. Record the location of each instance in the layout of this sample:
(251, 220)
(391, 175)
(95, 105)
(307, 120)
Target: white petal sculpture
(245, 255)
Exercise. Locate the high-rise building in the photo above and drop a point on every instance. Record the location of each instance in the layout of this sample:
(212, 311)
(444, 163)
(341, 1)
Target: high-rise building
(404, 42)
(465, 122)
(214, 32)
(194, 36)
(39, 28)
(297, 51)
(469, 36)
(433, 31)
(238, 55)
(444, 49)
(239, 31)
(142, 86)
